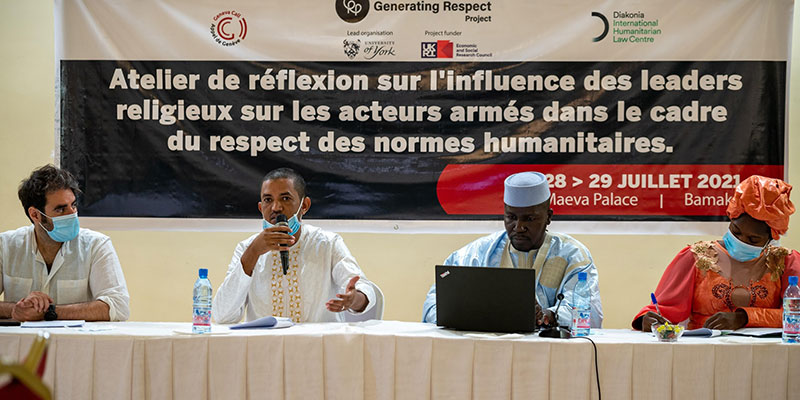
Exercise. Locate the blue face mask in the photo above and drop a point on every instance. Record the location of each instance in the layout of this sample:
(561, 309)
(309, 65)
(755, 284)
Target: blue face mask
(65, 227)
(740, 250)
(294, 223)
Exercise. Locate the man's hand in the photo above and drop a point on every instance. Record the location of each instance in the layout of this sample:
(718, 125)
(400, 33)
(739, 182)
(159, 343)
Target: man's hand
(727, 320)
(351, 299)
(539, 315)
(32, 307)
(544, 317)
(549, 318)
(39, 300)
(274, 238)
(650, 318)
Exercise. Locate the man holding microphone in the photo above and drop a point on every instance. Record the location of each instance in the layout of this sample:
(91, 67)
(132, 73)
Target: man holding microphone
(315, 281)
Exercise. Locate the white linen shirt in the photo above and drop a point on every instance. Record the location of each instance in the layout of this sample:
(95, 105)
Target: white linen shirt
(320, 267)
(85, 269)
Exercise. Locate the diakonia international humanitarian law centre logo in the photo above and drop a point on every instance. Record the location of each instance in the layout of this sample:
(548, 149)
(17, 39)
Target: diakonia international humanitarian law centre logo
(228, 28)
(352, 11)
(605, 26)
(628, 27)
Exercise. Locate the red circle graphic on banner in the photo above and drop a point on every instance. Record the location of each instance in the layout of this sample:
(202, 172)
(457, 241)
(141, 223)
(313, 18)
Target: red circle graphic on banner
(224, 28)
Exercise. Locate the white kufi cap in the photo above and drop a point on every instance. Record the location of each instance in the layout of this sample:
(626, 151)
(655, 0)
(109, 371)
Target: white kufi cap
(526, 189)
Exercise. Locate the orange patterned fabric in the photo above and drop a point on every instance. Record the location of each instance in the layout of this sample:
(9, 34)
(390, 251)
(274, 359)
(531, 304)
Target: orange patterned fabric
(713, 293)
(693, 288)
(765, 199)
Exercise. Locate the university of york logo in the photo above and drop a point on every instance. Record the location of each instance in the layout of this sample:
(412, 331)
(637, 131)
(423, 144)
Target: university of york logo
(351, 48)
(352, 11)
(228, 28)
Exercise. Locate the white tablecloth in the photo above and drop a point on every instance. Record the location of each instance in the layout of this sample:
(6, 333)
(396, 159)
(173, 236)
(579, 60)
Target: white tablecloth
(400, 360)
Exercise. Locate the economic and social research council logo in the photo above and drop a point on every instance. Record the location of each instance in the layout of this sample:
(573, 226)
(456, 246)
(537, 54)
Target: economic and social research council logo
(437, 49)
(228, 28)
(352, 11)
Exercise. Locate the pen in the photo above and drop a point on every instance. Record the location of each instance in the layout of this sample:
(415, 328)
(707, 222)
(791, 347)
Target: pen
(655, 302)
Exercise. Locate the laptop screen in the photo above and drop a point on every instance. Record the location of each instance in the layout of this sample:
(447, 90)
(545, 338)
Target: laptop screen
(486, 299)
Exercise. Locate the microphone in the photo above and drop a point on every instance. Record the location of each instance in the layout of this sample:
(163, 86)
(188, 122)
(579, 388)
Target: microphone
(280, 220)
(553, 330)
(560, 297)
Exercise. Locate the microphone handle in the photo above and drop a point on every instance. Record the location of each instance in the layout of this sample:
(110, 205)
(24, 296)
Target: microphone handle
(285, 261)
(560, 297)
(284, 253)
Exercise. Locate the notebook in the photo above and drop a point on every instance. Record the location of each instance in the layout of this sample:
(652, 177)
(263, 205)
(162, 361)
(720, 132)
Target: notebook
(268, 322)
(486, 299)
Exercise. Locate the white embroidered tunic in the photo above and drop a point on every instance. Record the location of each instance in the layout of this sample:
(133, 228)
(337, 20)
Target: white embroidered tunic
(320, 266)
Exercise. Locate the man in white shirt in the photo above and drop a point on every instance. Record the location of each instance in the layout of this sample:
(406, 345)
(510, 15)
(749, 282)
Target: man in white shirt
(320, 280)
(54, 269)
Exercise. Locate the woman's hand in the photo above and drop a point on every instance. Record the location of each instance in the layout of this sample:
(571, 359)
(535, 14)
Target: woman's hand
(650, 318)
(727, 320)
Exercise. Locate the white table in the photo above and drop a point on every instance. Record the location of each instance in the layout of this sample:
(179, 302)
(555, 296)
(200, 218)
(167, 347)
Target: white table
(400, 360)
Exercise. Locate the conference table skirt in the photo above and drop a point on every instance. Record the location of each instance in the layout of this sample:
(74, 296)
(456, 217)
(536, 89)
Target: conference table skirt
(400, 360)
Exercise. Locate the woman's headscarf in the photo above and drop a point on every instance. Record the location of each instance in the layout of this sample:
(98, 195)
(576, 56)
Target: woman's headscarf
(765, 199)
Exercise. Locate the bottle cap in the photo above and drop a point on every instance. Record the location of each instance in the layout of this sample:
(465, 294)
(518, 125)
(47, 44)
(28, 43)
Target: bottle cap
(203, 273)
(581, 276)
(793, 280)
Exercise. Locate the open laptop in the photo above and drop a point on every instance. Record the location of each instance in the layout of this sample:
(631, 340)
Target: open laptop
(486, 299)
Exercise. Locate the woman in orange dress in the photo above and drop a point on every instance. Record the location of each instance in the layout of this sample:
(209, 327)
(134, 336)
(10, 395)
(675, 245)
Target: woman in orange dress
(738, 281)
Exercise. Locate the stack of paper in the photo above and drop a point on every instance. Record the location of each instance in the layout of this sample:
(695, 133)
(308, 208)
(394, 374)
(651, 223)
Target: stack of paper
(750, 332)
(265, 323)
(64, 323)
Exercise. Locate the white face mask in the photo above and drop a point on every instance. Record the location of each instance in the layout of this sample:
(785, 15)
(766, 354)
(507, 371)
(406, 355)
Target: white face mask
(294, 222)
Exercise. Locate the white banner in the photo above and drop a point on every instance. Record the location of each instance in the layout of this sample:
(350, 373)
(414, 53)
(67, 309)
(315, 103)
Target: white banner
(406, 116)
(312, 30)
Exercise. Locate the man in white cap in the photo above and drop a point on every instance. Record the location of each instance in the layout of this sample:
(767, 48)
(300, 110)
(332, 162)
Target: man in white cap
(526, 243)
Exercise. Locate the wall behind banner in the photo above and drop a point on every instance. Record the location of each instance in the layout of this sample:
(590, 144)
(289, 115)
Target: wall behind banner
(160, 267)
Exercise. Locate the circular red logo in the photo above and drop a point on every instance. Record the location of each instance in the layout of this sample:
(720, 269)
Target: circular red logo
(229, 28)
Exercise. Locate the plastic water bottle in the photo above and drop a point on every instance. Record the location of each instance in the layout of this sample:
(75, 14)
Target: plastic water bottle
(791, 312)
(581, 307)
(201, 310)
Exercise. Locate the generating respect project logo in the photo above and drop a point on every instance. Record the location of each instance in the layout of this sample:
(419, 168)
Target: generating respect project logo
(228, 28)
(352, 11)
